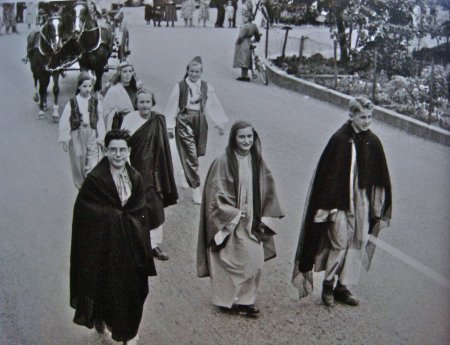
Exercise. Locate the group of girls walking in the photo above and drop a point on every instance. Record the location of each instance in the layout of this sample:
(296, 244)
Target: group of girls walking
(238, 191)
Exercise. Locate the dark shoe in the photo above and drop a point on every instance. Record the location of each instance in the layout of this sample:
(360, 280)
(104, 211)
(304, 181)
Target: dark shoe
(243, 79)
(343, 295)
(327, 295)
(248, 310)
(225, 310)
(159, 254)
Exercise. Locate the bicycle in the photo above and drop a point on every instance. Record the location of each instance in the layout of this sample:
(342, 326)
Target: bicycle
(258, 66)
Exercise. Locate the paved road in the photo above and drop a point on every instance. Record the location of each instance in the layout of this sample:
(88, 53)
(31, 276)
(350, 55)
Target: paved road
(405, 296)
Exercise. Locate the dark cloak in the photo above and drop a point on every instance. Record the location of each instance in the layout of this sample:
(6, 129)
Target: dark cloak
(151, 156)
(219, 203)
(110, 254)
(330, 190)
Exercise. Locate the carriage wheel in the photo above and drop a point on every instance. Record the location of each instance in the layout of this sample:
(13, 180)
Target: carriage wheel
(124, 49)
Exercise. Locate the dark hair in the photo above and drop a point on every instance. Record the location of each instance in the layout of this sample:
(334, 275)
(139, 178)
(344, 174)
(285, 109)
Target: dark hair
(117, 134)
(82, 77)
(233, 133)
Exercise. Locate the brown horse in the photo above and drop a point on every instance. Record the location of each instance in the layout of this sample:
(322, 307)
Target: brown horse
(43, 48)
(95, 42)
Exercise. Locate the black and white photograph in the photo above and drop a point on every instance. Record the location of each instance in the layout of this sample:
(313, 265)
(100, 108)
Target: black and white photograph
(225, 172)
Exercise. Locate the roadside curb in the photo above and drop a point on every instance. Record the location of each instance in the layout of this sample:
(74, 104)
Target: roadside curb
(392, 118)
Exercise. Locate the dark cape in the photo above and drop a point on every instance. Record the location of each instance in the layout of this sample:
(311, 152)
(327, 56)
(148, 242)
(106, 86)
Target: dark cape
(110, 254)
(330, 189)
(151, 156)
(220, 203)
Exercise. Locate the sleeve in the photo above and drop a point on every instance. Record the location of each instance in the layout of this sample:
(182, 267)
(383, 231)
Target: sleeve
(171, 109)
(214, 108)
(64, 124)
(101, 127)
(223, 234)
(323, 216)
(242, 35)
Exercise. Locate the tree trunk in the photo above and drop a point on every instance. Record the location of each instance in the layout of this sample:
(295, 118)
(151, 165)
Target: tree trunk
(342, 39)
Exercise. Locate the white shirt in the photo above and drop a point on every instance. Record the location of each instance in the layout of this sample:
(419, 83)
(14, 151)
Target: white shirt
(213, 107)
(83, 106)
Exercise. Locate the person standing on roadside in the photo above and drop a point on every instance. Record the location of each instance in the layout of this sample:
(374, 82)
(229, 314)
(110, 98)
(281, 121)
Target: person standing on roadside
(242, 53)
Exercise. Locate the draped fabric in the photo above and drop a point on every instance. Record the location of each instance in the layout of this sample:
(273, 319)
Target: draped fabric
(110, 254)
(151, 156)
(331, 188)
(220, 202)
(116, 100)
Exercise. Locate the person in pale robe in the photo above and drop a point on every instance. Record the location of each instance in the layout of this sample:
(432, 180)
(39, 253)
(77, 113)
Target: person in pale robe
(31, 14)
(242, 53)
(351, 184)
(187, 12)
(239, 199)
(82, 130)
(151, 156)
(191, 100)
(203, 13)
(120, 98)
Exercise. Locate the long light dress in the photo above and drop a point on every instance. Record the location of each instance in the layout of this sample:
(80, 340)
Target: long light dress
(236, 269)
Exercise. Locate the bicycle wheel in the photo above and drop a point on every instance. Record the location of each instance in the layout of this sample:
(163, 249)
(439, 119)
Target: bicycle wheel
(261, 69)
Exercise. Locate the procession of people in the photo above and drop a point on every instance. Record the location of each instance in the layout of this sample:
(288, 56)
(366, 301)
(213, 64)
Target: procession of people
(124, 169)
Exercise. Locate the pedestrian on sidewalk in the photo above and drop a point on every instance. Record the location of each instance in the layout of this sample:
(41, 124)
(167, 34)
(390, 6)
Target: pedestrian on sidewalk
(82, 130)
(9, 18)
(191, 100)
(234, 239)
(242, 53)
(234, 3)
(121, 97)
(220, 5)
(229, 10)
(170, 10)
(148, 11)
(111, 259)
(31, 14)
(151, 157)
(203, 13)
(187, 12)
(351, 184)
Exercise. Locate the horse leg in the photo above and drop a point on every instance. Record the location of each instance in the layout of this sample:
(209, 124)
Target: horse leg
(44, 80)
(55, 114)
(36, 90)
(99, 77)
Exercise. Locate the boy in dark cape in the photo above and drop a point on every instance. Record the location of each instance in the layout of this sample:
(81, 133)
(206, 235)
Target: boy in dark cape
(352, 167)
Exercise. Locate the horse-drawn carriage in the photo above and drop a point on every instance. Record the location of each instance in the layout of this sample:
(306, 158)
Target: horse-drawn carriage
(73, 32)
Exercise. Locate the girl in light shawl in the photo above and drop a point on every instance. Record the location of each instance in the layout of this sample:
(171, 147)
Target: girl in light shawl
(121, 97)
(233, 241)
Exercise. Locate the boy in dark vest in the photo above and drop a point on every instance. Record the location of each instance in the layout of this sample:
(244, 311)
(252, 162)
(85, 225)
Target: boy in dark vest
(191, 100)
